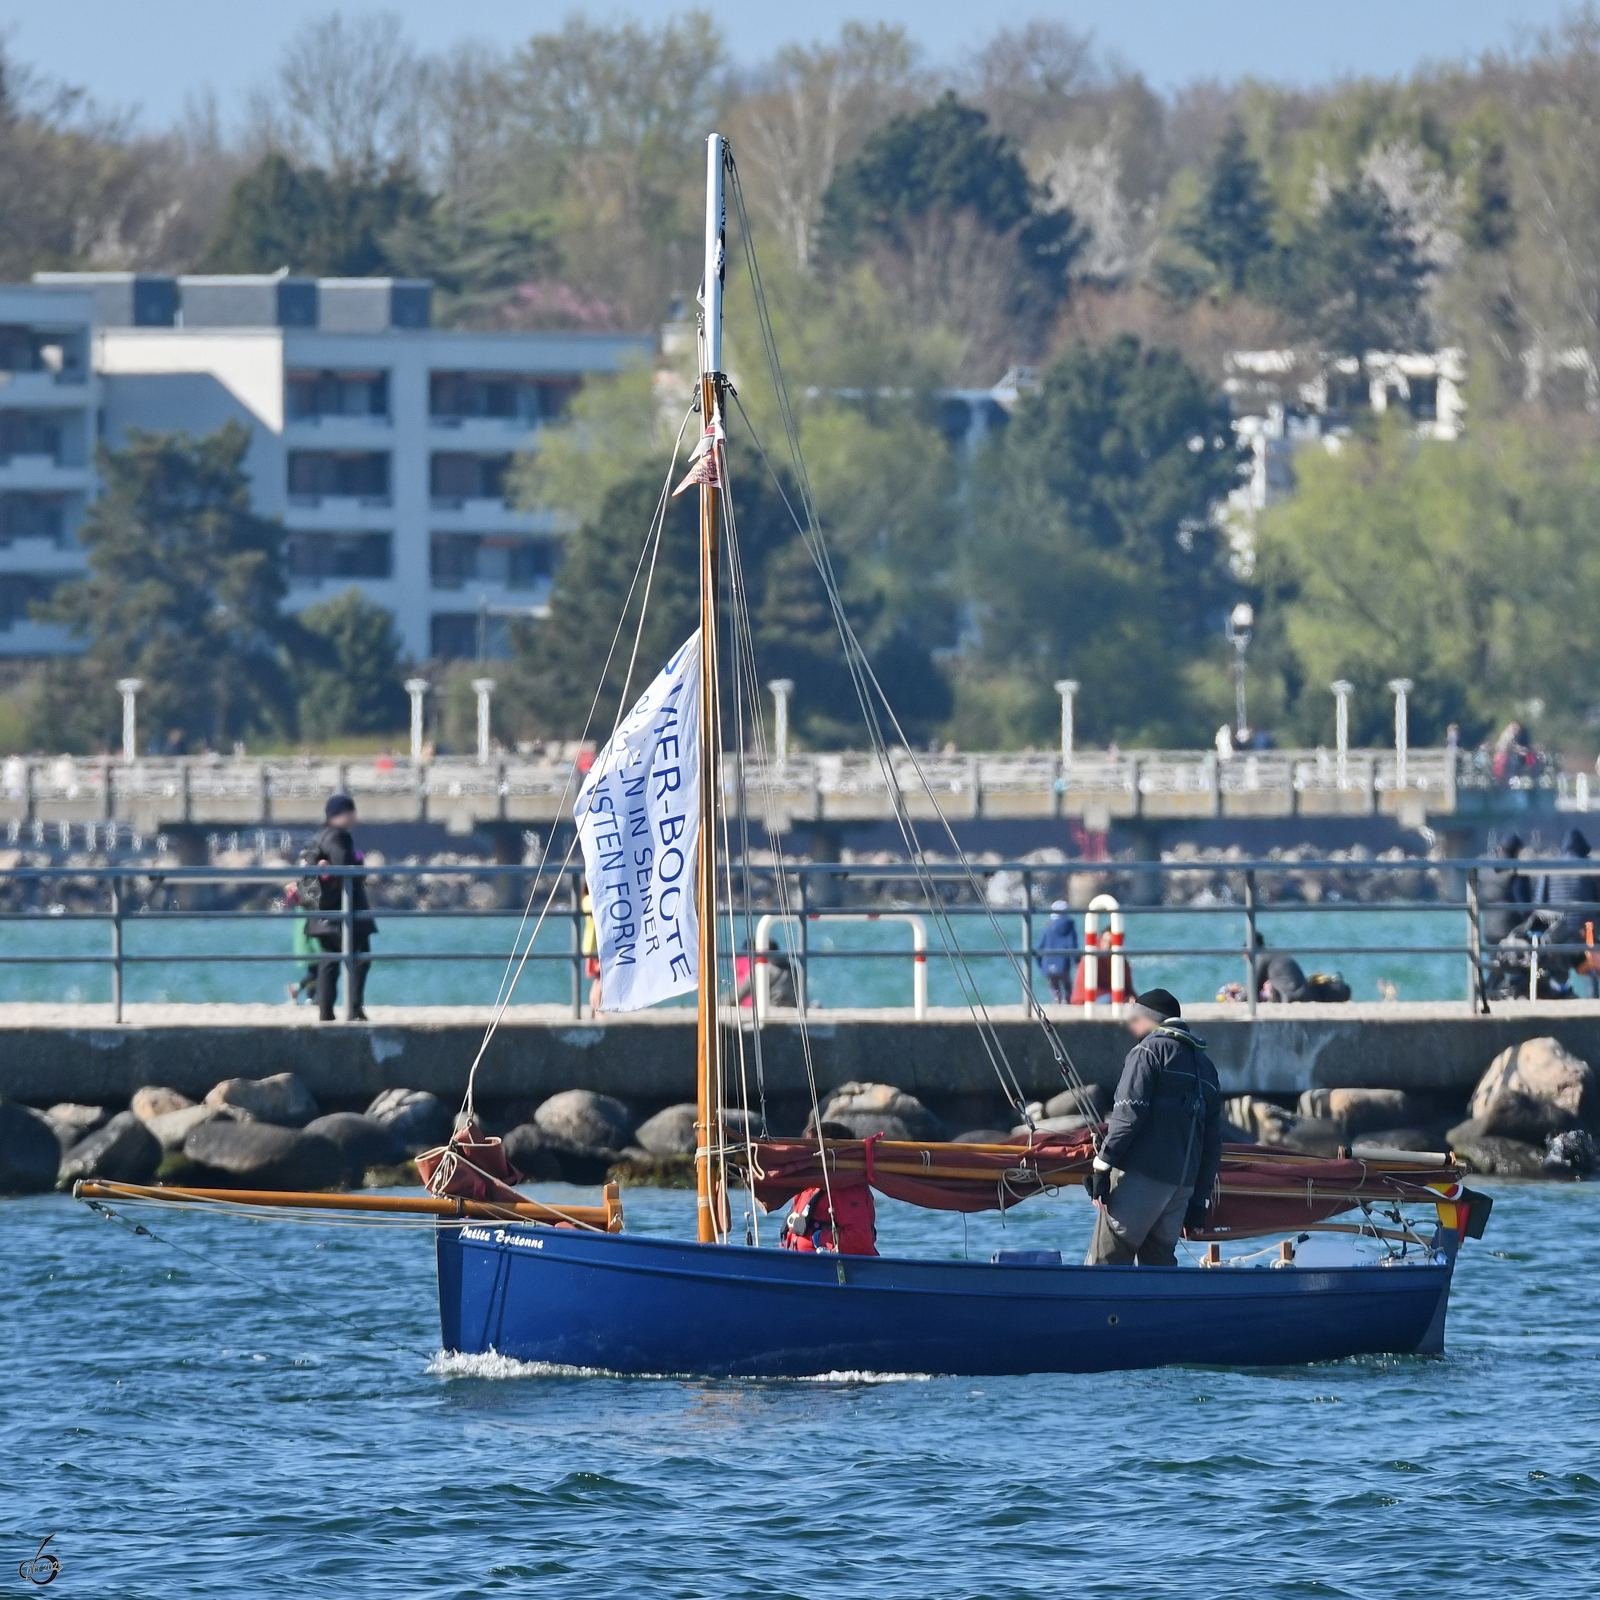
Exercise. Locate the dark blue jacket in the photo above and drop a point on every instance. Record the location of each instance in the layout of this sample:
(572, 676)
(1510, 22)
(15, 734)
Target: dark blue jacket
(1166, 1123)
(1056, 946)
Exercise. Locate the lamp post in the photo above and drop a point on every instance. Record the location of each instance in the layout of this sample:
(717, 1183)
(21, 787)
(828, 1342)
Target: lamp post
(416, 688)
(483, 688)
(1241, 623)
(1341, 727)
(781, 689)
(1400, 688)
(1067, 688)
(129, 688)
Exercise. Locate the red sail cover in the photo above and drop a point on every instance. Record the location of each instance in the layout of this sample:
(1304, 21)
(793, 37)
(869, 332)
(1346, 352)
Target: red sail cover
(1263, 1188)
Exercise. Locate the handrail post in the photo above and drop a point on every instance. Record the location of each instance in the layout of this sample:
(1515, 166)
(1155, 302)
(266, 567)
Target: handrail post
(803, 995)
(116, 949)
(1477, 999)
(1027, 941)
(347, 945)
(1250, 940)
(577, 944)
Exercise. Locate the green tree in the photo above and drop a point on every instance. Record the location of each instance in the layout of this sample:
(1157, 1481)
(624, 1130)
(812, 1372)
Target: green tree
(1231, 227)
(943, 160)
(340, 224)
(1352, 276)
(1468, 567)
(1092, 552)
(348, 668)
(183, 590)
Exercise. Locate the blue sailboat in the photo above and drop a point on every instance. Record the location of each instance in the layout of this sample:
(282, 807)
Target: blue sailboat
(590, 1297)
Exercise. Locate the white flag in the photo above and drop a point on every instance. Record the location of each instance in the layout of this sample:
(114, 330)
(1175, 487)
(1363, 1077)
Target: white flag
(638, 817)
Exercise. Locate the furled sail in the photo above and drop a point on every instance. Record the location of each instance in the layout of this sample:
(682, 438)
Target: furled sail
(638, 816)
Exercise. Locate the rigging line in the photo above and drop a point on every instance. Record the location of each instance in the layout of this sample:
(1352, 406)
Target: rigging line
(653, 546)
(139, 1229)
(993, 1046)
(651, 543)
(741, 615)
(960, 965)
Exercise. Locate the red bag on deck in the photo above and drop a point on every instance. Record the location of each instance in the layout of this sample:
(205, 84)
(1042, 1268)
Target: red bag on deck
(470, 1167)
(848, 1228)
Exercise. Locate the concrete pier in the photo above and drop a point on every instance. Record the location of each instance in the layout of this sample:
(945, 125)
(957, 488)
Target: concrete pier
(50, 1053)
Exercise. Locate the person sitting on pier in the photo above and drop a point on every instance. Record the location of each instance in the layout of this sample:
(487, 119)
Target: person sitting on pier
(1054, 951)
(1157, 1164)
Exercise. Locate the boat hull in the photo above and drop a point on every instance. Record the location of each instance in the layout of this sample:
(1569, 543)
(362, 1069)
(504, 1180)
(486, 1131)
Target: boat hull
(636, 1305)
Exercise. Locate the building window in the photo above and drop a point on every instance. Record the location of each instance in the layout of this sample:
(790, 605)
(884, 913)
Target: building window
(314, 558)
(24, 433)
(37, 350)
(509, 560)
(480, 635)
(18, 591)
(337, 394)
(454, 477)
(32, 516)
(455, 397)
(345, 474)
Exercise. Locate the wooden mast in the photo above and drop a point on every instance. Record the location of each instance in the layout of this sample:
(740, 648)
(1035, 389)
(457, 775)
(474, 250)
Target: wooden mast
(708, 1119)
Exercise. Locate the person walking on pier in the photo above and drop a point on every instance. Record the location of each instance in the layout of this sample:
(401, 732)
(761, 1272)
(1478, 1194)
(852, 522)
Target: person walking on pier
(1054, 951)
(1158, 1162)
(335, 847)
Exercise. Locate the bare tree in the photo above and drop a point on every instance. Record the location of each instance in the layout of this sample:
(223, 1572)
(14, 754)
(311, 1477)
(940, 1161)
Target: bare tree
(812, 108)
(1025, 76)
(348, 95)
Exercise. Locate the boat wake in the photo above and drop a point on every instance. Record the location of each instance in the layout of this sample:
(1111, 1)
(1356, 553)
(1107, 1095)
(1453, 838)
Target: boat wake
(492, 1365)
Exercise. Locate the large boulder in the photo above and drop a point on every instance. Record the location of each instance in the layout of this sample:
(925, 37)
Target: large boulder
(869, 1108)
(173, 1127)
(1535, 1089)
(533, 1153)
(418, 1119)
(30, 1152)
(262, 1155)
(124, 1151)
(362, 1142)
(1384, 1143)
(585, 1119)
(1360, 1111)
(1316, 1136)
(282, 1099)
(1091, 1103)
(1498, 1157)
(670, 1132)
(1571, 1154)
(152, 1101)
(74, 1122)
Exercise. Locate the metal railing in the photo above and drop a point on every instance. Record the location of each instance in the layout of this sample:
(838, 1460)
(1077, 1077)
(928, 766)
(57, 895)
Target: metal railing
(132, 892)
(1096, 786)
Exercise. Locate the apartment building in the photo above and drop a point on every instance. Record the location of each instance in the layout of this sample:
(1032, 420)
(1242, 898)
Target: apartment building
(384, 444)
(49, 400)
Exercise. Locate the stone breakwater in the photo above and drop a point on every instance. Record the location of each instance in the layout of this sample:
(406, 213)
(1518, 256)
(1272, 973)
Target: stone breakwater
(1532, 1111)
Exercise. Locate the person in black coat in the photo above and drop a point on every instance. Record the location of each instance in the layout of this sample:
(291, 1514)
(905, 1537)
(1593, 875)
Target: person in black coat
(1504, 894)
(1576, 895)
(1279, 977)
(335, 847)
(1158, 1161)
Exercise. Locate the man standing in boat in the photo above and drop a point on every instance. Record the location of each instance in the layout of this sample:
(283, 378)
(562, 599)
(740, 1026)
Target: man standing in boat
(1158, 1162)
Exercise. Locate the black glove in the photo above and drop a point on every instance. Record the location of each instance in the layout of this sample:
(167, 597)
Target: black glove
(1097, 1180)
(1194, 1219)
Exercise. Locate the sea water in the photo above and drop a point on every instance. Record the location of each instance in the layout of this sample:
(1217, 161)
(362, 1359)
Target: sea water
(1381, 953)
(259, 1408)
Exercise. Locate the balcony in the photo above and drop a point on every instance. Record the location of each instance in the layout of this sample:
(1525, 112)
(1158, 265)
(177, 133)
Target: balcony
(314, 559)
(457, 477)
(358, 475)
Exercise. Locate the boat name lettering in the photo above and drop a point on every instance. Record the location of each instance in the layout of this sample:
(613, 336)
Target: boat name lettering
(502, 1237)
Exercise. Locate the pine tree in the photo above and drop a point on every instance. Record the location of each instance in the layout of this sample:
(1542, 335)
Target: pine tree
(1232, 226)
(183, 591)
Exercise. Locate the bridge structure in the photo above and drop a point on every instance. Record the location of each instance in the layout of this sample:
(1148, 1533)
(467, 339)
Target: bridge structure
(1094, 789)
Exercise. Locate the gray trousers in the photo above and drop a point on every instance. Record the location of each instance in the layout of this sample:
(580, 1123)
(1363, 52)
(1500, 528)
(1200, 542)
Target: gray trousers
(1140, 1224)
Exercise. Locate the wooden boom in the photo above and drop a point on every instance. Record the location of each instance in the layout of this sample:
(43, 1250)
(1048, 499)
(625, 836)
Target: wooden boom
(605, 1218)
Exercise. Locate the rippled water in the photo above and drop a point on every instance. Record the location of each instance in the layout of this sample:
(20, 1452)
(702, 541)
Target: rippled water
(183, 1433)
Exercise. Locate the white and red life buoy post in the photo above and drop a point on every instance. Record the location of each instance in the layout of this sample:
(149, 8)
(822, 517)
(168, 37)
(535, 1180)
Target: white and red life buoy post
(1110, 941)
